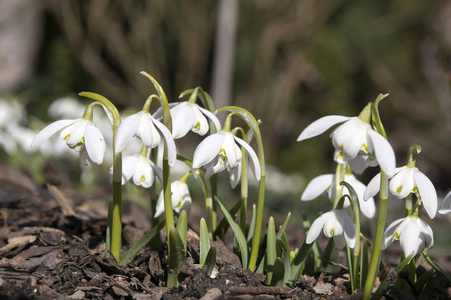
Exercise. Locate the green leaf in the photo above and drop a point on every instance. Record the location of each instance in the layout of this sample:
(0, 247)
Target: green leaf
(237, 232)
(271, 253)
(330, 254)
(424, 279)
(299, 260)
(283, 251)
(250, 234)
(182, 227)
(277, 278)
(284, 226)
(176, 257)
(204, 242)
(210, 261)
(140, 244)
(437, 268)
(224, 224)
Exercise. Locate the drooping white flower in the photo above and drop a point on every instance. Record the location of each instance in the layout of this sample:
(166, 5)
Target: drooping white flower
(335, 223)
(139, 170)
(326, 183)
(219, 151)
(355, 142)
(80, 134)
(143, 125)
(445, 208)
(413, 234)
(188, 116)
(181, 199)
(408, 180)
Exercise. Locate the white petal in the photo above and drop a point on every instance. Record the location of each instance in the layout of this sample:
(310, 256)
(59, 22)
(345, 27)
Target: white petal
(157, 171)
(74, 134)
(403, 183)
(172, 150)
(212, 117)
(129, 164)
(143, 175)
(147, 131)
(320, 126)
(214, 167)
(235, 175)
(159, 210)
(200, 125)
(348, 227)
(95, 144)
(427, 193)
(50, 130)
(372, 188)
(317, 186)
(445, 208)
(411, 240)
(317, 226)
(232, 151)
(183, 118)
(255, 163)
(126, 131)
(390, 232)
(208, 149)
(384, 153)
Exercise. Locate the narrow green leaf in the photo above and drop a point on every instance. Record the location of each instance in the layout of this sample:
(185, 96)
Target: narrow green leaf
(330, 254)
(182, 227)
(283, 251)
(177, 257)
(271, 253)
(237, 232)
(284, 226)
(389, 279)
(204, 242)
(299, 260)
(250, 234)
(224, 224)
(277, 278)
(210, 261)
(141, 243)
(437, 268)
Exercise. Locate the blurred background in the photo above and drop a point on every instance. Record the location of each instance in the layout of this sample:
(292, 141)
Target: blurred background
(288, 62)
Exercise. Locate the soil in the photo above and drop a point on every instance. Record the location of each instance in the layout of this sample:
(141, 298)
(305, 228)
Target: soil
(52, 247)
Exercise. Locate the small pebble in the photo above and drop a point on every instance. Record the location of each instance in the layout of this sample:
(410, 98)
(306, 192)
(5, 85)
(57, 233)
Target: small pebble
(212, 294)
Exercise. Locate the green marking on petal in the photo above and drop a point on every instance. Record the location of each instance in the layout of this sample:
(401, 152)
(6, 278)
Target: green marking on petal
(143, 178)
(66, 137)
(197, 126)
(332, 231)
(396, 235)
(398, 190)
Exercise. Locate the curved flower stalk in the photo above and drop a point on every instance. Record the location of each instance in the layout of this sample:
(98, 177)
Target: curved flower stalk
(355, 141)
(414, 235)
(445, 207)
(326, 183)
(181, 198)
(80, 135)
(335, 223)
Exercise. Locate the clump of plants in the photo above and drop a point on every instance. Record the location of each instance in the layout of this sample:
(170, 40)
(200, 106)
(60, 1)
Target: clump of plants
(359, 142)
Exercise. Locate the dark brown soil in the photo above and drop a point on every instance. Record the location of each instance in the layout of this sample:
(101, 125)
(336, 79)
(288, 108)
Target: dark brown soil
(52, 247)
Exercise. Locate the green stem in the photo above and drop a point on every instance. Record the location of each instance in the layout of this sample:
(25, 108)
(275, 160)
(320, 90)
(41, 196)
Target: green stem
(244, 191)
(376, 255)
(116, 211)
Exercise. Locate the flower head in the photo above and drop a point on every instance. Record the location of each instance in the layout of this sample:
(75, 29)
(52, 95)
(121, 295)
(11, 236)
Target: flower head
(355, 142)
(219, 151)
(143, 125)
(408, 180)
(188, 116)
(80, 135)
(323, 183)
(139, 170)
(413, 234)
(181, 199)
(335, 223)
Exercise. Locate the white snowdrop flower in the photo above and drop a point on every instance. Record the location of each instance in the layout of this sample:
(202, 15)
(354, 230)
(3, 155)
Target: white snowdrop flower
(335, 223)
(143, 125)
(181, 199)
(413, 234)
(326, 183)
(220, 151)
(355, 142)
(80, 135)
(408, 180)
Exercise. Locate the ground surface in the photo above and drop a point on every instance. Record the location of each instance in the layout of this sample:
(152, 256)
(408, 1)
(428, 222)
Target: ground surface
(52, 247)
